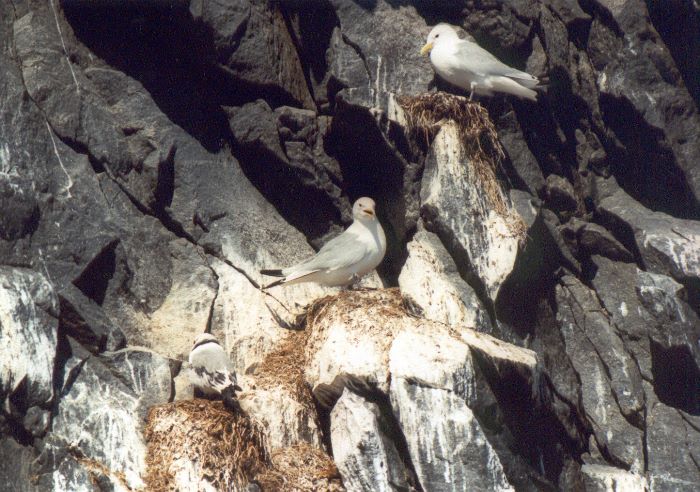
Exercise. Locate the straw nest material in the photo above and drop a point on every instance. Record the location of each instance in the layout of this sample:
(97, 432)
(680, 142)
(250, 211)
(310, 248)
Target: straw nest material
(300, 468)
(425, 115)
(225, 448)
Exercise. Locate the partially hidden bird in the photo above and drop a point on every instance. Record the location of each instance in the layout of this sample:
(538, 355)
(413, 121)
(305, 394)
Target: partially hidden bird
(212, 372)
(345, 259)
(464, 63)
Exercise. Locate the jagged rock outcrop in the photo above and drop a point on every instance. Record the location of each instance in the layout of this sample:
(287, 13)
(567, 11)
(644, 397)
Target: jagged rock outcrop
(545, 334)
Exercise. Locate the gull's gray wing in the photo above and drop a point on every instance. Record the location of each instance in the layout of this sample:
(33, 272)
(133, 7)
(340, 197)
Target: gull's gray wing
(340, 252)
(481, 62)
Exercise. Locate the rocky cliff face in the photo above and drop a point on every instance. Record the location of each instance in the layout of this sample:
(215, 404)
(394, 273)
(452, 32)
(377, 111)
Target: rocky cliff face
(538, 323)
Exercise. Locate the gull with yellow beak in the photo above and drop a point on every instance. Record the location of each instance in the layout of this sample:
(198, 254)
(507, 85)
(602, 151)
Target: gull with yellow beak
(345, 259)
(465, 64)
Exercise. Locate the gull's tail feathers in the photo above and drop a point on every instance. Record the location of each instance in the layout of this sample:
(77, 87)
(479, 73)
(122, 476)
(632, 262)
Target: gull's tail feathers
(510, 86)
(228, 395)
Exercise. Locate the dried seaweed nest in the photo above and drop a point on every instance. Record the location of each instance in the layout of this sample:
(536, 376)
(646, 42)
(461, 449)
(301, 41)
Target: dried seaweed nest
(300, 468)
(226, 448)
(425, 115)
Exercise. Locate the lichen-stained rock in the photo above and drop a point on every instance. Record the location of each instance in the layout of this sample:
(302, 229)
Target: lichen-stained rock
(28, 326)
(99, 418)
(286, 420)
(251, 323)
(185, 309)
(602, 478)
(366, 457)
(431, 282)
(611, 386)
(455, 206)
(667, 245)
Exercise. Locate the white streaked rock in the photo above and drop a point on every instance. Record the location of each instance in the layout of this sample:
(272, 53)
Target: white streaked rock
(430, 280)
(366, 458)
(452, 197)
(28, 326)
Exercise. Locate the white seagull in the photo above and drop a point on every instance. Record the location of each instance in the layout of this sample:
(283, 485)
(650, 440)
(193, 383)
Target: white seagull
(344, 259)
(465, 64)
(212, 371)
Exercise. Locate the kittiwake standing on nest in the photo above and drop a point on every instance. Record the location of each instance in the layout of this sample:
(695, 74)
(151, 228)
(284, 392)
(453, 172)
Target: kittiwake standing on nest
(344, 259)
(464, 63)
(212, 371)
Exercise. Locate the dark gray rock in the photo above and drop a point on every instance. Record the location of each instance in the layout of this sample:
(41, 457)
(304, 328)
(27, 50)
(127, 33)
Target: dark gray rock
(84, 320)
(20, 207)
(585, 239)
(667, 245)
(560, 194)
(372, 58)
(611, 385)
(672, 461)
(17, 466)
(651, 315)
(284, 150)
(252, 45)
(645, 103)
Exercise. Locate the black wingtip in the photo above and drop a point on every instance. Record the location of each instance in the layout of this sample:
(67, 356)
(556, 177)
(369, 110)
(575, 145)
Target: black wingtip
(272, 273)
(273, 284)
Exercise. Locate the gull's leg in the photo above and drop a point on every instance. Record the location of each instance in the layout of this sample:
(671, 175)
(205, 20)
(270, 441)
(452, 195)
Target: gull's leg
(472, 86)
(354, 280)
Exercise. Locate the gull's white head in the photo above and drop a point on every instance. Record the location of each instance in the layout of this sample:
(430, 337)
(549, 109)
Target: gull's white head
(363, 209)
(439, 34)
(204, 337)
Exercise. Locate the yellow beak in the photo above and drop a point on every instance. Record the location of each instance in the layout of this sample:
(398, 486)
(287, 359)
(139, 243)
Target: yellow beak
(426, 49)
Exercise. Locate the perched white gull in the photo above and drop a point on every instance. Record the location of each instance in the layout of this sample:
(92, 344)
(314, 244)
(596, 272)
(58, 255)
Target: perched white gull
(211, 370)
(344, 259)
(465, 64)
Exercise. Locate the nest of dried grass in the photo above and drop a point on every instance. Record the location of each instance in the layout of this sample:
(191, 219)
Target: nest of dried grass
(382, 302)
(425, 115)
(228, 448)
(285, 367)
(300, 468)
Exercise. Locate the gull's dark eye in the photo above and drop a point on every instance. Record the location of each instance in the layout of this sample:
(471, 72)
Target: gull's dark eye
(437, 36)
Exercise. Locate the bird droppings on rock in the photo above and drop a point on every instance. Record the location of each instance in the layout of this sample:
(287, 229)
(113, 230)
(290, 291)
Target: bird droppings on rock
(425, 115)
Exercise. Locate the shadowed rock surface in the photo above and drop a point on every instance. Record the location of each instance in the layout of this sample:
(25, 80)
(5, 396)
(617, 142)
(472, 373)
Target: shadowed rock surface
(537, 325)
